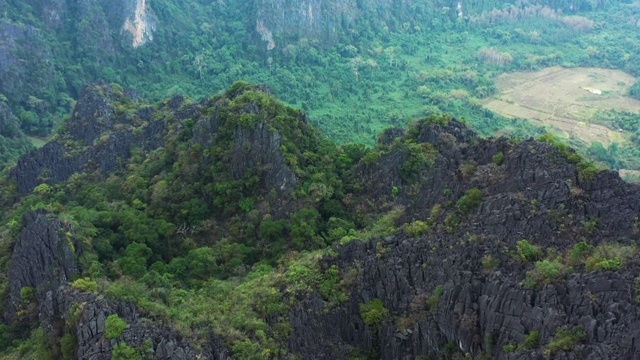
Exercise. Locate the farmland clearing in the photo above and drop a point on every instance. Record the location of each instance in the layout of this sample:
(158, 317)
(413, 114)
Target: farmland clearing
(566, 100)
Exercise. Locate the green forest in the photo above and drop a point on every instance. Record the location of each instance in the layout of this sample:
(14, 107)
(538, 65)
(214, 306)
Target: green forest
(354, 76)
(146, 234)
(273, 125)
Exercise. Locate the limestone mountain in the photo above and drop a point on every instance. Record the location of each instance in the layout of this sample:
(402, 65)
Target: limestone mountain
(320, 56)
(230, 228)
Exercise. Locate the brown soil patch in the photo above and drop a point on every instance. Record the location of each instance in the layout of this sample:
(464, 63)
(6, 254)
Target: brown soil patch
(565, 100)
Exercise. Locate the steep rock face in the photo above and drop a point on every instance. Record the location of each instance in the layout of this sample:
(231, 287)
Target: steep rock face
(91, 312)
(43, 258)
(98, 139)
(261, 146)
(93, 142)
(478, 311)
(325, 20)
(536, 194)
(92, 115)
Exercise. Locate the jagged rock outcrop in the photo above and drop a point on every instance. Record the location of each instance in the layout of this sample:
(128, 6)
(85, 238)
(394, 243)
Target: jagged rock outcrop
(43, 258)
(261, 146)
(99, 139)
(477, 312)
(91, 311)
(450, 278)
(536, 194)
(96, 140)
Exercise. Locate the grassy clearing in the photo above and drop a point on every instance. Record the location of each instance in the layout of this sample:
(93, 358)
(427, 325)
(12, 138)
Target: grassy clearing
(566, 100)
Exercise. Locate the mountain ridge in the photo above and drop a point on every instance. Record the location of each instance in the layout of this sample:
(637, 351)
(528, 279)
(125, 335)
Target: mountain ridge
(235, 222)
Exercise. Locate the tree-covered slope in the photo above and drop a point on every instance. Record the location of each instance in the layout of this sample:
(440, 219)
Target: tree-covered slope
(393, 60)
(12, 142)
(230, 228)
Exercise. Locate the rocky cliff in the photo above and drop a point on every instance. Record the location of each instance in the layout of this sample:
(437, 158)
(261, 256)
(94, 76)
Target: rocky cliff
(76, 150)
(487, 247)
(90, 312)
(44, 259)
(535, 194)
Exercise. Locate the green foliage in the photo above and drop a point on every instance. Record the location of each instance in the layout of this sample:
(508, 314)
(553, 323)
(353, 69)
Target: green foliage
(27, 294)
(579, 253)
(114, 326)
(565, 339)
(586, 169)
(134, 263)
(43, 190)
(272, 230)
(634, 91)
(610, 264)
(531, 341)
(197, 266)
(67, 346)
(498, 158)
(451, 223)
(528, 252)
(303, 228)
(589, 226)
(330, 286)
(339, 228)
(246, 204)
(85, 284)
(417, 158)
(384, 225)
(545, 272)
(303, 276)
(36, 346)
(247, 350)
(489, 263)
(5, 337)
(609, 257)
(434, 299)
(416, 228)
(373, 313)
(122, 351)
(509, 348)
(470, 200)
(371, 158)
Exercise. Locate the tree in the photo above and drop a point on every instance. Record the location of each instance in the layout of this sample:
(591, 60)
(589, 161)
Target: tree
(303, 227)
(134, 263)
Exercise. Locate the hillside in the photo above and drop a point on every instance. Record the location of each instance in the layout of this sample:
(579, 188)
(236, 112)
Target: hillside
(230, 228)
(392, 60)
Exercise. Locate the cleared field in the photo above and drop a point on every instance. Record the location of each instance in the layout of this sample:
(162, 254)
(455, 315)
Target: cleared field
(566, 100)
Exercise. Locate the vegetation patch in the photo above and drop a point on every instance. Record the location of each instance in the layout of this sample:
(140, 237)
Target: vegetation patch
(373, 313)
(114, 326)
(528, 251)
(470, 200)
(565, 339)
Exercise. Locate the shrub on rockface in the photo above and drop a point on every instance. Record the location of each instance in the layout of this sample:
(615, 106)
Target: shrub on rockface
(114, 326)
(528, 251)
(470, 200)
(373, 313)
(565, 339)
